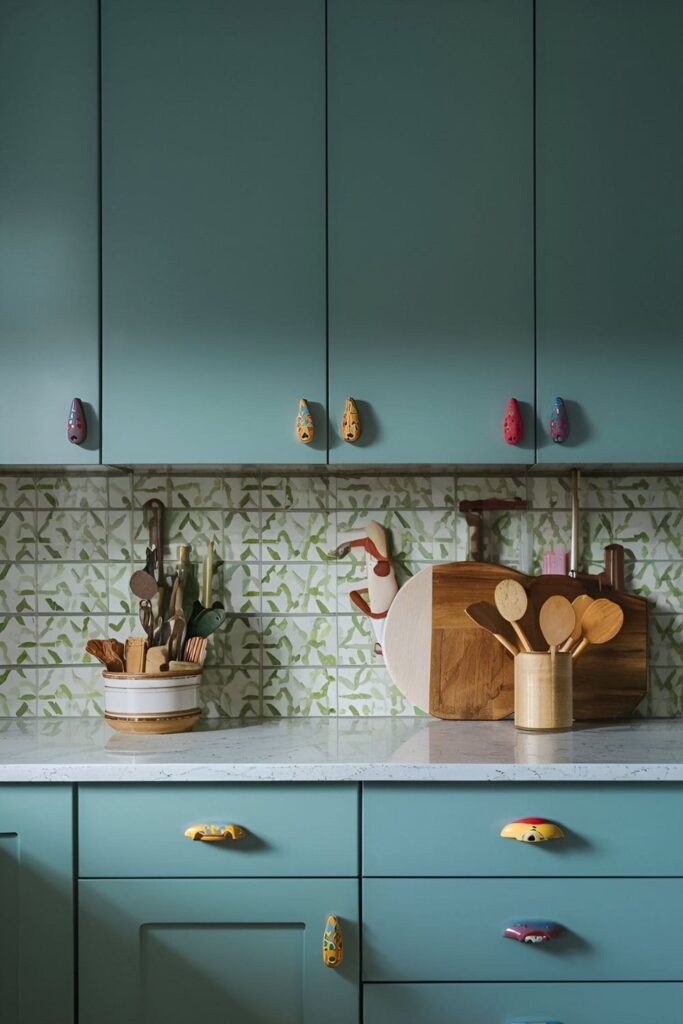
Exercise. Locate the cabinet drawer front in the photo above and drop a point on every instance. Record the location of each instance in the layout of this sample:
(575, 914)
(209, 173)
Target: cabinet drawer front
(139, 831)
(633, 1003)
(439, 830)
(427, 929)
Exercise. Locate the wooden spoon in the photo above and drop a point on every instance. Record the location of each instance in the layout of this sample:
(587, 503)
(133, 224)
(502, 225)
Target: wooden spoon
(601, 622)
(557, 620)
(488, 617)
(579, 604)
(511, 602)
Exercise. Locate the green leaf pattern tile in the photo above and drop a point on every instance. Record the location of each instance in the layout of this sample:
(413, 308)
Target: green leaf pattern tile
(293, 643)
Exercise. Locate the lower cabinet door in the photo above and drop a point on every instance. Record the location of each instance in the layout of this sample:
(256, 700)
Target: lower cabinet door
(36, 905)
(170, 951)
(520, 1003)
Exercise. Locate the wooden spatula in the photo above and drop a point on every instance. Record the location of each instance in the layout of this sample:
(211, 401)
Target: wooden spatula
(601, 622)
(511, 602)
(579, 604)
(557, 620)
(488, 617)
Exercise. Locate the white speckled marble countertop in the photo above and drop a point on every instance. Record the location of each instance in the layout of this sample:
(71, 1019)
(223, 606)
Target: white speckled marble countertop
(341, 749)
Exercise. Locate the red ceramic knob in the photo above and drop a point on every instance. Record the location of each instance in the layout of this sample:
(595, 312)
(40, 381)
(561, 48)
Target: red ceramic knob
(513, 427)
(76, 428)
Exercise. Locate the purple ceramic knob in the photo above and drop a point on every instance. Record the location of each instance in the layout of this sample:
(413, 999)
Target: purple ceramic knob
(76, 429)
(559, 422)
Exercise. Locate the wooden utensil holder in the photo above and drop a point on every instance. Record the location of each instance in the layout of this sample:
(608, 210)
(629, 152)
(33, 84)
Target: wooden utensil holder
(543, 692)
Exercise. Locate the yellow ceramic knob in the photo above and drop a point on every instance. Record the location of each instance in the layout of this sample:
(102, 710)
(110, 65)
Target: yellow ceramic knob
(532, 830)
(351, 428)
(333, 943)
(215, 833)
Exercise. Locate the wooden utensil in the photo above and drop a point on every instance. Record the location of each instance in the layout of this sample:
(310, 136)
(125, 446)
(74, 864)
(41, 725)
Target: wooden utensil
(512, 602)
(610, 680)
(437, 656)
(488, 617)
(556, 620)
(147, 620)
(142, 583)
(156, 540)
(579, 604)
(601, 622)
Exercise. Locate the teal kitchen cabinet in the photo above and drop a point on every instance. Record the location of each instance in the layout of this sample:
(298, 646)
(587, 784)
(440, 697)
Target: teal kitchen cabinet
(430, 149)
(36, 901)
(213, 208)
(609, 227)
(170, 951)
(565, 1003)
(49, 229)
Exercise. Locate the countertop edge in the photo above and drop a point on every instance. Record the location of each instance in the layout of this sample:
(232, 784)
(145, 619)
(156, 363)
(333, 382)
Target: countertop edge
(371, 772)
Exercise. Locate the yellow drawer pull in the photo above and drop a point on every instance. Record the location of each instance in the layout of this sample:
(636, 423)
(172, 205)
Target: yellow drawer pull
(333, 943)
(215, 833)
(532, 830)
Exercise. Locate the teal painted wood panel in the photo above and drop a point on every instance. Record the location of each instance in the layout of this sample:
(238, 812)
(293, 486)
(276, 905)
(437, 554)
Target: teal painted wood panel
(430, 227)
(247, 950)
(450, 929)
(610, 220)
(213, 179)
(36, 897)
(49, 225)
(521, 1003)
(438, 829)
(299, 829)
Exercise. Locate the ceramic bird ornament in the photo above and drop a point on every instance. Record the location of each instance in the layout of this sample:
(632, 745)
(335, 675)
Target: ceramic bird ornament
(350, 422)
(513, 427)
(559, 422)
(305, 430)
(76, 429)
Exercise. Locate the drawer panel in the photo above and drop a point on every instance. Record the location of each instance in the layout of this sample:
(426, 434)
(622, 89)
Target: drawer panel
(427, 929)
(137, 831)
(632, 1003)
(439, 830)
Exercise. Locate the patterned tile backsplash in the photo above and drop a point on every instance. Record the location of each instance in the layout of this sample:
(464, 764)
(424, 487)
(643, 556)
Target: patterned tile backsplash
(293, 644)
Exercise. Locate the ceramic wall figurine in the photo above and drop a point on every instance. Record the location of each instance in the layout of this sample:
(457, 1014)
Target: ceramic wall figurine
(333, 943)
(374, 600)
(559, 422)
(76, 427)
(532, 830)
(533, 932)
(513, 426)
(351, 429)
(305, 429)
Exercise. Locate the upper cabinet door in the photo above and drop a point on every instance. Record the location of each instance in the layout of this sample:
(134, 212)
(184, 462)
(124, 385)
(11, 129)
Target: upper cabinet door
(49, 217)
(430, 227)
(610, 227)
(213, 203)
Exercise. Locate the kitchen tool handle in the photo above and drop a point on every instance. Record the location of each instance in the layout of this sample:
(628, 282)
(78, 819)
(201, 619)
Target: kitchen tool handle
(333, 942)
(215, 833)
(532, 830)
(526, 646)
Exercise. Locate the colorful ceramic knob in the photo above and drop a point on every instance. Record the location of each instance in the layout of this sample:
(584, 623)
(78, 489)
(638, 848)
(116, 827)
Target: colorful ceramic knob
(333, 942)
(305, 430)
(76, 428)
(532, 830)
(533, 932)
(513, 427)
(559, 422)
(350, 422)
